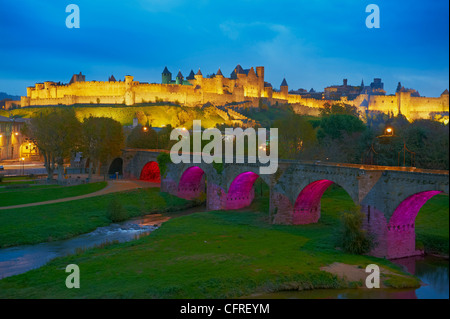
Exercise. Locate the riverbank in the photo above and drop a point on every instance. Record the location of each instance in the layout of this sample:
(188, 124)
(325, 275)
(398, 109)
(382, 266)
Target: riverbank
(220, 254)
(36, 224)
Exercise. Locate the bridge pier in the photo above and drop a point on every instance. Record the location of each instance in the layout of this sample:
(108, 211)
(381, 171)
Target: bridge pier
(393, 240)
(216, 197)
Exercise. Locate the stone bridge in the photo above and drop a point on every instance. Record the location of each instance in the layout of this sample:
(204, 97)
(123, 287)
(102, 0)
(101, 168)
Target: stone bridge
(390, 197)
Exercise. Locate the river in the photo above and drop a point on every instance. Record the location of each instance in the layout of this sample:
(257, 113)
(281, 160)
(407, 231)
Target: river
(432, 271)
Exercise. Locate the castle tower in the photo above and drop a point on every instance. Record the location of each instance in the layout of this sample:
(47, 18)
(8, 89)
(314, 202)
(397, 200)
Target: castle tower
(219, 82)
(199, 75)
(179, 78)
(260, 74)
(191, 76)
(237, 72)
(166, 76)
(284, 89)
(129, 93)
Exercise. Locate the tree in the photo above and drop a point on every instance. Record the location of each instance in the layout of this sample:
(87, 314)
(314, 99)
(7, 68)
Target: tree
(296, 136)
(142, 138)
(56, 134)
(430, 141)
(101, 140)
(338, 108)
(335, 125)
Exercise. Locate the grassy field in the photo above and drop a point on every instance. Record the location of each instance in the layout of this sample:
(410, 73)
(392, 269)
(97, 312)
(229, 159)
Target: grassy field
(37, 224)
(221, 254)
(432, 225)
(10, 197)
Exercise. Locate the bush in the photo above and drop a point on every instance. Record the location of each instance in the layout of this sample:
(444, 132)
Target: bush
(351, 237)
(163, 159)
(116, 212)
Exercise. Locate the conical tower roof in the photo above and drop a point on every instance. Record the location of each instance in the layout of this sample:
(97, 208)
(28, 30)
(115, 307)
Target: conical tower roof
(166, 71)
(179, 75)
(284, 83)
(219, 72)
(199, 72)
(191, 75)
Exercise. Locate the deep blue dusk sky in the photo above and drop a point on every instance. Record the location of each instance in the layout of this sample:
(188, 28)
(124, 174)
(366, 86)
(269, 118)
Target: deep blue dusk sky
(313, 44)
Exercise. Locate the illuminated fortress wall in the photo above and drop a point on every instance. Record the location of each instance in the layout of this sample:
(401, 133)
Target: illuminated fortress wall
(244, 86)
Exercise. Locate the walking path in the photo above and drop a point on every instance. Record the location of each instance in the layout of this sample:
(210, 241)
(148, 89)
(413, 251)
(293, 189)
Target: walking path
(112, 187)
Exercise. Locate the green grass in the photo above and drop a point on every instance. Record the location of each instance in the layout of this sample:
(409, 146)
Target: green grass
(37, 224)
(16, 178)
(432, 230)
(221, 254)
(10, 197)
(4, 189)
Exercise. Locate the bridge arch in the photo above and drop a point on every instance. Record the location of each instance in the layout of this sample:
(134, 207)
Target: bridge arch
(116, 166)
(307, 204)
(306, 209)
(150, 172)
(401, 228)
(241, 192)
(192, 183)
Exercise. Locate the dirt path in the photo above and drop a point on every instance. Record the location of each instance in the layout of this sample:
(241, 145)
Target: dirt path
(355, 273)
(112, 187)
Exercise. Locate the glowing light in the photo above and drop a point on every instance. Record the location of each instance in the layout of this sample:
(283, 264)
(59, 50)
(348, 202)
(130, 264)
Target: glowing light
(241, 190)
(190, 185)
(23, 158)
(145, 128)
(150, 172)
(407, 211)
(16, 133)
(446, 121)
(307, 205)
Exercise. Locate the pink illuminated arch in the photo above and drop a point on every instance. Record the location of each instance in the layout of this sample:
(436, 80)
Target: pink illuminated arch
(150, 172)
(191, 183)
(241, 192)
(405, 214)
(307, 205)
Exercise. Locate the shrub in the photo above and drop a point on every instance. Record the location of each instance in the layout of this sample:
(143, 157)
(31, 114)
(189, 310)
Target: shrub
(116, 212)
(163, 159)
(351, 237)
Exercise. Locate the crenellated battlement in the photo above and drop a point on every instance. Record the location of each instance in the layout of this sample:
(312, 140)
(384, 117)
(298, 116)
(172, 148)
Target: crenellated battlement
(241, 86)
